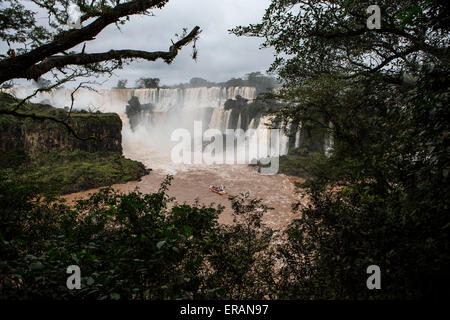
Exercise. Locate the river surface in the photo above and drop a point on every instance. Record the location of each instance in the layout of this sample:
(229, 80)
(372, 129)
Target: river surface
(192, 182)
(150, 142)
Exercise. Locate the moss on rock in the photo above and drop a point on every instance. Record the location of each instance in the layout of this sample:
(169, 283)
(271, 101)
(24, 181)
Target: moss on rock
(51, 158)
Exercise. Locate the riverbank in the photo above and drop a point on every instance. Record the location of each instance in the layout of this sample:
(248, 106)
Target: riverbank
(191, 183)
(42, 153)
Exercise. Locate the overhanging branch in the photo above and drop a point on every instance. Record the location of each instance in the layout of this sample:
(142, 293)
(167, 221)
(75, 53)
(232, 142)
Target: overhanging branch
(34, 116)
(61, 61)
(68, 39)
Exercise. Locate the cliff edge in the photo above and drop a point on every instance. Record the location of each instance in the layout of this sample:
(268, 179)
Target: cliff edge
(46, 154)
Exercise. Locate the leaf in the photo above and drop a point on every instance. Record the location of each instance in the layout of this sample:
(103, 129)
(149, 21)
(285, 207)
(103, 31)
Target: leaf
(75, 258)
(160, 244)
(36, 266)
(187, 230)
(89, 281)
(115, 296)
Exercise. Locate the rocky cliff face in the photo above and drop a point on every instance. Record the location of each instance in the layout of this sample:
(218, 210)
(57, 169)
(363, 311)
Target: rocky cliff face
(39, 136)
(44, 154)
(35, 136)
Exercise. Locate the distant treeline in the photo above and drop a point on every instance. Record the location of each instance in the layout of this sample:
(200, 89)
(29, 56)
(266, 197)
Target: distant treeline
(254, 79)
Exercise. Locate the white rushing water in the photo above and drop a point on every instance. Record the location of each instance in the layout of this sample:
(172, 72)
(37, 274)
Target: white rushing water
(150, 142)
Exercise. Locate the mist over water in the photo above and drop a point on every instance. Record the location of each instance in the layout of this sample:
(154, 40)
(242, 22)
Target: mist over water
(150, 143)
(150, 140)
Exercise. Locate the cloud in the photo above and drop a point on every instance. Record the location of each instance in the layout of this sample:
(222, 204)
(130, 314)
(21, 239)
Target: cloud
(221, 55)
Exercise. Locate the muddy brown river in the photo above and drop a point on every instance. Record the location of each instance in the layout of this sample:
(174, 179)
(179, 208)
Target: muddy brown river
(192, 182)
(150, 142)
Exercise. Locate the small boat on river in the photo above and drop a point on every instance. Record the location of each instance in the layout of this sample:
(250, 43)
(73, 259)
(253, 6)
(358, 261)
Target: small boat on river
(219, 190)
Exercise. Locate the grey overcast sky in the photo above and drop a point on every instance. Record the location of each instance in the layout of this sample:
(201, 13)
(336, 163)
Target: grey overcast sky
(221, 55)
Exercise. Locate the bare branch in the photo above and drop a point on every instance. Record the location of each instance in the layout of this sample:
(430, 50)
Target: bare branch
(44, 117)
(68, 39)
(45, 89)
(61, 61)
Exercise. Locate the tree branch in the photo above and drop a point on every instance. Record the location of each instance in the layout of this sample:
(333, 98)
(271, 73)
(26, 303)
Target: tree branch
(69, 39)
(50, 63)
(417, 44)
(42, 117)
(45, 89)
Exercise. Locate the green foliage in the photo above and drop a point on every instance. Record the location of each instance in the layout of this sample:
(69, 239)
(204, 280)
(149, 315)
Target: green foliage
(61, 172)
(147, 83)
(313, 38)
(382, 196)
(240, 108)
(18, 24)
(199, 82)
(301, 163)
(130, 246)
(13, 158)
(262, 83)
(240, 257)
(121, 84)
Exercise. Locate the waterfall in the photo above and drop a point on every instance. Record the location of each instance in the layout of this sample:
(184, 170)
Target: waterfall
(238, 126)
(163, 98)
(191, 98)
(220, 119)
(174, 108)
(228, 117)
(281, 140)
(252, 124)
